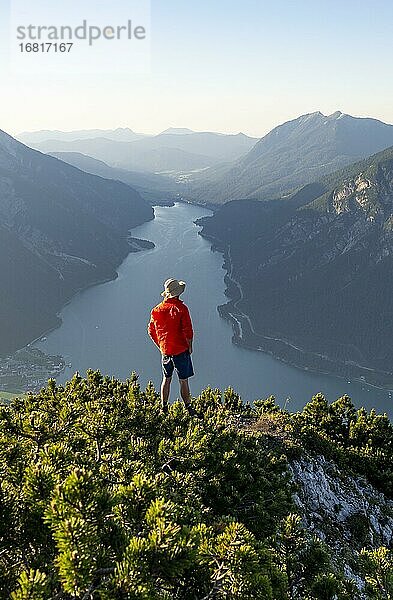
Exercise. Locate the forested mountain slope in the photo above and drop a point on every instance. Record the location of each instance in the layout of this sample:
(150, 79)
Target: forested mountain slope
(316, 270)
(149, 185)
(60, 230)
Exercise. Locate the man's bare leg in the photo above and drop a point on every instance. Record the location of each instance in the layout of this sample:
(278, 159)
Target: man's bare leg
(165, 389)
(186, 396)
(185, 391)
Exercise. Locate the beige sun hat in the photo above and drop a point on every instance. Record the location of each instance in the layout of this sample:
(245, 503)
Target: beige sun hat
(173, 288)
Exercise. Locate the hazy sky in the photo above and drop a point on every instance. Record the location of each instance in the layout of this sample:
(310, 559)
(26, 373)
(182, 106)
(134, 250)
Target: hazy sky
(225, 66)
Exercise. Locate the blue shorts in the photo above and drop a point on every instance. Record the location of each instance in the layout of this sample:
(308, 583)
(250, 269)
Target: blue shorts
(181, 362)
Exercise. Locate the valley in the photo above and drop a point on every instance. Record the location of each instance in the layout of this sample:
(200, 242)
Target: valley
(289, 260)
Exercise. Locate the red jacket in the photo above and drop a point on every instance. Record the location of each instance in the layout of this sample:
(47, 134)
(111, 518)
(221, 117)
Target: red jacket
(170, 326)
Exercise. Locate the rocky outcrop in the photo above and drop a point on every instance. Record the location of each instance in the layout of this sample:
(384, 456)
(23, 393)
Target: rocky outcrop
(355, 189)
(345, 511)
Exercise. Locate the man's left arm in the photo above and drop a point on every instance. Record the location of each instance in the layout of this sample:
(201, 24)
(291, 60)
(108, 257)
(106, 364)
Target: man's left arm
(187, 328)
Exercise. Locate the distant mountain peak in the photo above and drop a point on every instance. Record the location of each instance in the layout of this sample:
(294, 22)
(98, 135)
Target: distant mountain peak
(318, 114)
(177, 131)
(307, 116)
(337, 115)
(124, 129)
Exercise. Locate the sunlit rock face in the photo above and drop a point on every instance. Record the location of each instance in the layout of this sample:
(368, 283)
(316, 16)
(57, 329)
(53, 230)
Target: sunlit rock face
(347, 512)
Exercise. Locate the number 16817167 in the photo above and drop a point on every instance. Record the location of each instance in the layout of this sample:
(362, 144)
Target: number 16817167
(45, 47)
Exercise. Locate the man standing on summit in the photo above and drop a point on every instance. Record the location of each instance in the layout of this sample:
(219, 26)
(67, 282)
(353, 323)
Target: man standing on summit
(170, 328)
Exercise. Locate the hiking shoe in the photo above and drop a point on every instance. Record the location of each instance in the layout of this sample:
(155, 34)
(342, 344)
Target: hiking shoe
(192, 412)
(165, 407)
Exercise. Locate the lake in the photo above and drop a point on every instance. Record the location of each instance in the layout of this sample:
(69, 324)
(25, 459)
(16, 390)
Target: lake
(104, 327)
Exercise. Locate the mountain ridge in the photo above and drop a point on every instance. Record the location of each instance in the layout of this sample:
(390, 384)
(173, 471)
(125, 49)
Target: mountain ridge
(120, 133)
(179, 152)
(291, 155)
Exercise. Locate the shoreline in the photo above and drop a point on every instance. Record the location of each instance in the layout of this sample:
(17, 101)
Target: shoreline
(245, 336)
(135, 245)
(133, 249)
